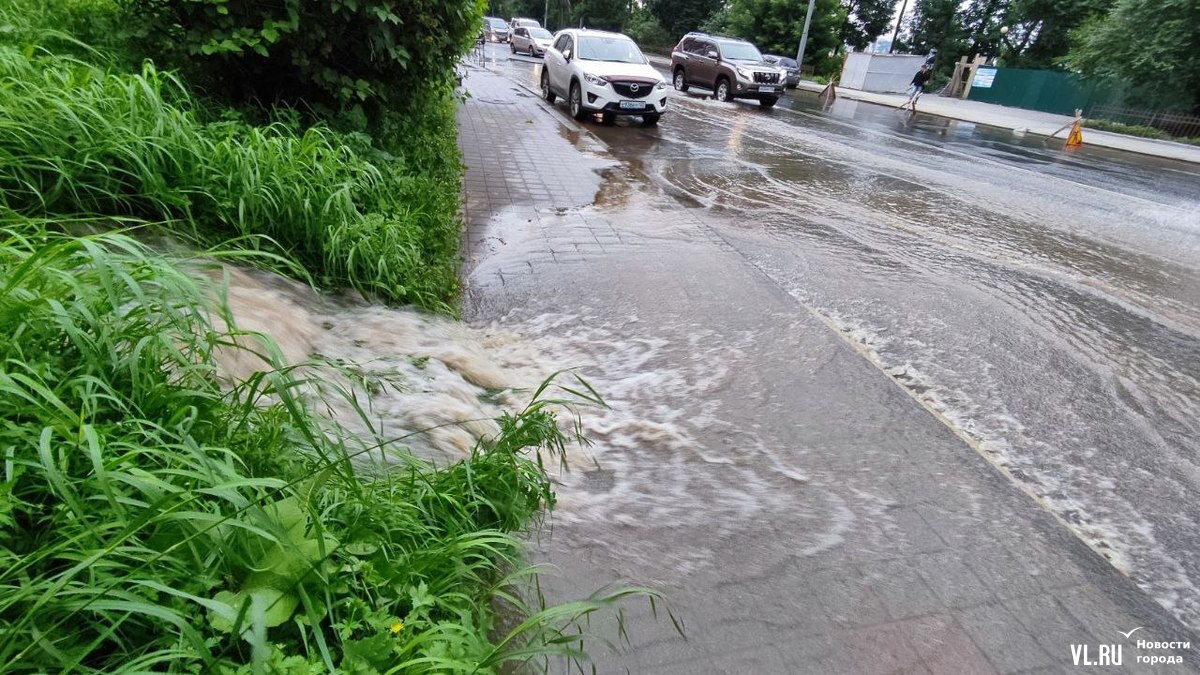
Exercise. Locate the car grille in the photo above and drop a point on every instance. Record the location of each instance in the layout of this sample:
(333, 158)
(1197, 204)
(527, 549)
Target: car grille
(625, 89)
(766, 78)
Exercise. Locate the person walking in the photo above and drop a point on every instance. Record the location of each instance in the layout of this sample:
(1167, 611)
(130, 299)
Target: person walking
(917, 87)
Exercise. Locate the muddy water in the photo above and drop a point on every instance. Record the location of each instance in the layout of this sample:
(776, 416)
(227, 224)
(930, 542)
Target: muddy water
(437, 385)
(1049, 313)
(663, 455)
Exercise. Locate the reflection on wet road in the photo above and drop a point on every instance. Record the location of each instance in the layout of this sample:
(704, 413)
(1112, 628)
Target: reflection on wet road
(1045, 304)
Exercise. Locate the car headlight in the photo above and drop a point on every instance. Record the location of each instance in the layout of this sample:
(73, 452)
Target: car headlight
(744, 74)
(592, 79)
(662, 84)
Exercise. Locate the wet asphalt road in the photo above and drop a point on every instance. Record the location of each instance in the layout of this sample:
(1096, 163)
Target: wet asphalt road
(1045, 304)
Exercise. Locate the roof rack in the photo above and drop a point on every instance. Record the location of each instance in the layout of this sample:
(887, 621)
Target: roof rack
(715, 35)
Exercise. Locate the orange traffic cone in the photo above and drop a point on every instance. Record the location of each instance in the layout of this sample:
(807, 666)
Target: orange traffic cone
(1076, 136)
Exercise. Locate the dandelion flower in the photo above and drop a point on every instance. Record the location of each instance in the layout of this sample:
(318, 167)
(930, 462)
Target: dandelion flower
(397, 627)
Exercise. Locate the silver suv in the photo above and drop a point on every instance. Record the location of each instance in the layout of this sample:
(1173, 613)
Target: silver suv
(730, 67)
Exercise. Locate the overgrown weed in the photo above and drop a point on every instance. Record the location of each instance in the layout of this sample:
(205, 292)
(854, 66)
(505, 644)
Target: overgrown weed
(151, 519)
(78, 139)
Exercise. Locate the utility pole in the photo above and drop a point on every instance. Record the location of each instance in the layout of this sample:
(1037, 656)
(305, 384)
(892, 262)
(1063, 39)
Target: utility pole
(896, 33)
(804, 35)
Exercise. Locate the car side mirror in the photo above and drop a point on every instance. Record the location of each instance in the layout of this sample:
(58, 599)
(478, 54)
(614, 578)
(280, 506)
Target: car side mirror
(712, 54)
(567, 54)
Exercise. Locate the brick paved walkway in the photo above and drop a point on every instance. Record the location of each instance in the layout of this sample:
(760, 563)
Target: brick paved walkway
(953, 571)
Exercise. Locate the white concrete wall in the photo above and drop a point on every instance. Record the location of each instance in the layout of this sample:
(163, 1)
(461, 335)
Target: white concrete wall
(885, 73)
(855, 70)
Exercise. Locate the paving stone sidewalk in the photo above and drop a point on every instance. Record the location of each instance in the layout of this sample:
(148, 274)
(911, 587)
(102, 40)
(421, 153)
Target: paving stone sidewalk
(943, 566)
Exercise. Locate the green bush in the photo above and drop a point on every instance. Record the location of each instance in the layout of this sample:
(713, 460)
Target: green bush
(646, 30)
(335, 53)
(152, 520)
(76, 139)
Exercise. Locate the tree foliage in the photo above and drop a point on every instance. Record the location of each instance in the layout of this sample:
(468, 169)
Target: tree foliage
(1153, 44)
(680, 16)
(532, 9)
(645, 28)
(865, 21)
(775, 27)
(1038, 29)
(938, 25)
(372, 53)
(603, 14)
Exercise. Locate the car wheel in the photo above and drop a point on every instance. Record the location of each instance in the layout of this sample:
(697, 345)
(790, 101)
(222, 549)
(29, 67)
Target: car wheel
(546, 91)
(531, 54)
(680, 80)
(512, 48)
(721, 91)
(650, 119)
(575, 101)
(768, 102)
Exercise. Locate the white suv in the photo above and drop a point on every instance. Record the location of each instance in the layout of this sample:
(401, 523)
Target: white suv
(599, 72)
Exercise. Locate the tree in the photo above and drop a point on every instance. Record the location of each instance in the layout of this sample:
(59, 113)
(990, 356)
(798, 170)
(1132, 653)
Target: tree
(866, 20)
(364, 54)
(1152, 44)
(1038, 29)
(680, 16)
(647, 31)
(982, 20)
(938, 25)
(775, 27)
(603, 14)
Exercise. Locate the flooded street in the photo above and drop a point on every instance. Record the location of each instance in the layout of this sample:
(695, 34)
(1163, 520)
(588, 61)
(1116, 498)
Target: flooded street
(759, 276)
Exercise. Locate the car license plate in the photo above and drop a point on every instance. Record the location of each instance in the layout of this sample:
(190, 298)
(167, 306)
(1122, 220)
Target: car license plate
(768, 90)
(632, 105)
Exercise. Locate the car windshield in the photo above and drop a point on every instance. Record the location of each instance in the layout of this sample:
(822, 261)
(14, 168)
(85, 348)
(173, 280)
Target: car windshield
(497, 23)
(740, 51)
(540, 33)
(616, 49)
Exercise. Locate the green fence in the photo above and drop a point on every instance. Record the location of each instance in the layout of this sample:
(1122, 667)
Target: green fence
(1052, 91)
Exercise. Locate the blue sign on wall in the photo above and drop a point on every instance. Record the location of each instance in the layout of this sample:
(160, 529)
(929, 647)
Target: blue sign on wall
(984, 77)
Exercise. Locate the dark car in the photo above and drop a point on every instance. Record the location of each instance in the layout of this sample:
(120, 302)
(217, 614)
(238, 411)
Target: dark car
(730, 67)
(789, 66)
(495, 30)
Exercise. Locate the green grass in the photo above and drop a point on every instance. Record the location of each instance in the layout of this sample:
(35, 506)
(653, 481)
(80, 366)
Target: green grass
(78, 139)
(154, 518)
(151, 519)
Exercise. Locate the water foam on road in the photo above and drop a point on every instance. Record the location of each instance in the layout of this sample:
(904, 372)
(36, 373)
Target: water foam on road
(438, 384)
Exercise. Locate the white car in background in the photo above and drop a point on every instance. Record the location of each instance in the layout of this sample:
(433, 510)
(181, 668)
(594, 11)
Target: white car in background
(605, 73)
(530, 40)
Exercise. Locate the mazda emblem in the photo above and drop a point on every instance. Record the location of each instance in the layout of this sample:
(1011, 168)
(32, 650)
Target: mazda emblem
(634, 87)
